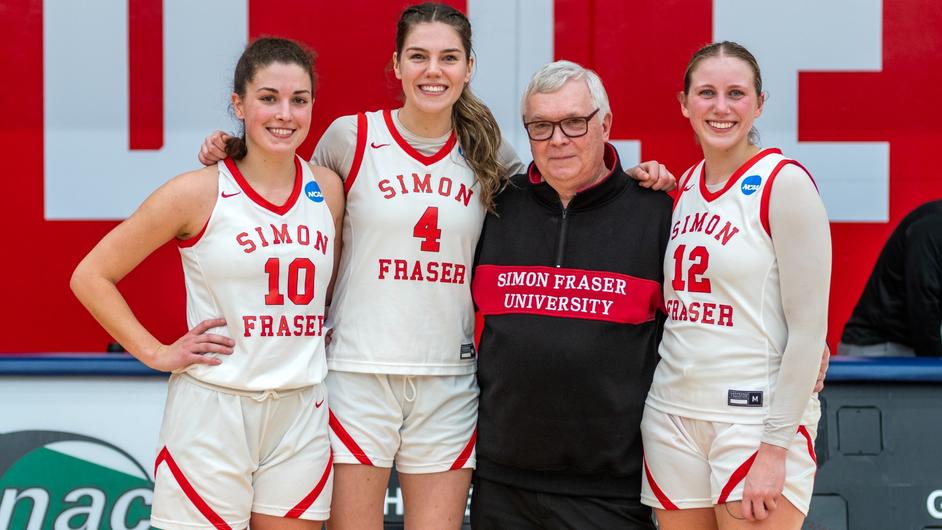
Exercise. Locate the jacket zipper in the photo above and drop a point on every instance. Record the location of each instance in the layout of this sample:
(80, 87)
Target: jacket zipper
(561, 241)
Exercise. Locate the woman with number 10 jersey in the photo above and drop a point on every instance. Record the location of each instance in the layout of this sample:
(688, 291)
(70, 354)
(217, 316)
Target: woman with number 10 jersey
(244, 439)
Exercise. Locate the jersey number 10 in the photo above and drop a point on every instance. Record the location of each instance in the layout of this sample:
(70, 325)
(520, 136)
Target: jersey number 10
(299, 293)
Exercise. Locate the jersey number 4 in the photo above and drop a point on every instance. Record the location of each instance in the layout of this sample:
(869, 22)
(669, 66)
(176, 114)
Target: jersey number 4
(428, 231)
(699, 261)
(300, 292)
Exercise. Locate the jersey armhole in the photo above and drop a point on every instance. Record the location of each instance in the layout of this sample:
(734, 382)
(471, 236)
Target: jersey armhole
(681, 183)
(358, 154)
(767, 192)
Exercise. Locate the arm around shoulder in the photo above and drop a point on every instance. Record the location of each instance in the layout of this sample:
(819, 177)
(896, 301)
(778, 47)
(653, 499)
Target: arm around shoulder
(336, 148)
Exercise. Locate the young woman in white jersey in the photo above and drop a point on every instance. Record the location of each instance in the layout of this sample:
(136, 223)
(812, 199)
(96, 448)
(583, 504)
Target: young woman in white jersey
(245, 433)
(730, 419)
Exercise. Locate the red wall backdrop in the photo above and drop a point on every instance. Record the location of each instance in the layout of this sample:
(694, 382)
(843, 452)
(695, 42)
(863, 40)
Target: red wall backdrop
(638, 47)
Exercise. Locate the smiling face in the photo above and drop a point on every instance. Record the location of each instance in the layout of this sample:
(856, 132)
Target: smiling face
(434, 68)
(568, 164)
(276, 108)
(722, 102)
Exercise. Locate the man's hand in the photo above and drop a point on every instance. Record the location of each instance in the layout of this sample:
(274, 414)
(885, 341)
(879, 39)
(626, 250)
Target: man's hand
(213, 149)
(653, 175)
(823, 371)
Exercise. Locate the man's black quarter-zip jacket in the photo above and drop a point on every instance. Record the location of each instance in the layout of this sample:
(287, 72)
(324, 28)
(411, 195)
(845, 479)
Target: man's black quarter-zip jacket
(571, 299)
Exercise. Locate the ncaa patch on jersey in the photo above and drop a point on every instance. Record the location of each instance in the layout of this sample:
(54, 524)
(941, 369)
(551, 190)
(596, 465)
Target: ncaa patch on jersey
(313, 191)
(744, 398)
(751, 184)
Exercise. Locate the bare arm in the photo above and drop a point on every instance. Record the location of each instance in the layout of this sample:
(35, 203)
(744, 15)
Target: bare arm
(177, 209)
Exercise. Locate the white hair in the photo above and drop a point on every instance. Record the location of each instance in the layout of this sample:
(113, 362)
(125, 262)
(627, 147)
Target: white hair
(553, 76)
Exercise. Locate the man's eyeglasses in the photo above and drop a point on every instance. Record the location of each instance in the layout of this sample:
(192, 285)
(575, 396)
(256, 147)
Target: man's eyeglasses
(571, 127)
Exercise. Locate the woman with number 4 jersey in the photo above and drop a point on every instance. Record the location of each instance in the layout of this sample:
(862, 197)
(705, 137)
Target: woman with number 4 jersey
(244, 439)
(730, 419)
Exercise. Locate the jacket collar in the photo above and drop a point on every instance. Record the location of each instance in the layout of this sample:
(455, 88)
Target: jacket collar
(599, 192)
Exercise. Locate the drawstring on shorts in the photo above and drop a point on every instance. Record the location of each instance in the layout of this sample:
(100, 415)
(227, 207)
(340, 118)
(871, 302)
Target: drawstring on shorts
(409, 382)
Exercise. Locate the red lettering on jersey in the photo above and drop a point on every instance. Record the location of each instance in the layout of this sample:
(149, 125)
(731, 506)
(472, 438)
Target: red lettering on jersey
(702, 312)
(281, 235)
(423, 184)
(288, 325)
(384, 186)
(421, 271)
(261, 236)
(444, 187)
(711, 226)
(267, 322)
(726, 233)
(283, 330)
(402, 184)
(243, 240)
(464, 195)
(726, 316)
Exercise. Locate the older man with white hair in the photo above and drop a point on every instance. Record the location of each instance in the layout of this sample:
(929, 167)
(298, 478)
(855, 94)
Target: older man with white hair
(568, 278)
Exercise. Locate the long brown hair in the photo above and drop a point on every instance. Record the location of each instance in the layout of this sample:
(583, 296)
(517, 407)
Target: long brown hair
(477, 130)
(257, 55)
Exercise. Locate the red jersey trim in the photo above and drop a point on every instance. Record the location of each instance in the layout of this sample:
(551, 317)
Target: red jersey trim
(348, 440)
(309, 499)
(804, 432)
(189, 242)
(767, 193)
(565, 293)
(710, 196)
(188, 490)
(661, 497)
(357, 154)
(466, 452)
(684, 179)
(425, 160)
(262, 201)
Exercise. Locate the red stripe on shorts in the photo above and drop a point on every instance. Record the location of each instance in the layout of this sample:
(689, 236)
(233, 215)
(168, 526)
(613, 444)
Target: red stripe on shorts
(804, 432)
(189, 491)
(348, 440)
(737, 477)
(661, 497)
(466, 452)
(308, 500)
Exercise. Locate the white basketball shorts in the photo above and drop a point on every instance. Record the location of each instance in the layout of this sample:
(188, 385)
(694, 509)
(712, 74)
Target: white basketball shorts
(425, 423)
(225, 454)
(698, 464)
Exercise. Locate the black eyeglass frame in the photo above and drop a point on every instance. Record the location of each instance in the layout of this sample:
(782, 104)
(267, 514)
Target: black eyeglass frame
(555, 124)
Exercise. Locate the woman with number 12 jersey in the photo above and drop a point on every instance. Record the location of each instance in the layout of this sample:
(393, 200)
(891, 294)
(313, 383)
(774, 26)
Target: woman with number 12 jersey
(730, 419)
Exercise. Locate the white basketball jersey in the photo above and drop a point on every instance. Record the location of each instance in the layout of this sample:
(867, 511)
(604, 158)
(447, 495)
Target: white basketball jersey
(264, 268)
(725, 331)
(402, 301)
